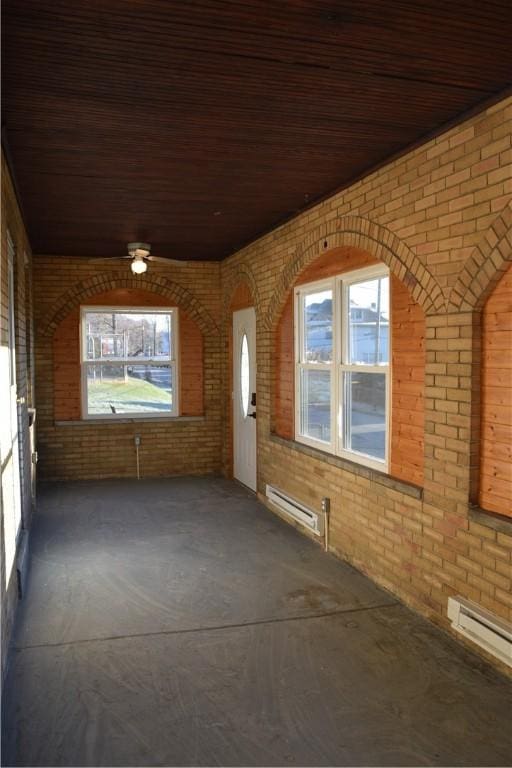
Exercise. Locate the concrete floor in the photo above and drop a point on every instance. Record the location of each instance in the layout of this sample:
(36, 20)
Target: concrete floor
(178, 622)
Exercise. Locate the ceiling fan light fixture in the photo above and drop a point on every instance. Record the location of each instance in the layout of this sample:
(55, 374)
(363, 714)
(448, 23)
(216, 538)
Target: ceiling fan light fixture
(138, 265)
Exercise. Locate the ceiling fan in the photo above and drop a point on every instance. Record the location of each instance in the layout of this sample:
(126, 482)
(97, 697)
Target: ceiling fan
(140, 254)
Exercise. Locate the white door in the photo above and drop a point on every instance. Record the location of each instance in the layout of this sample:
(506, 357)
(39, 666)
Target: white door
(244, 397)
(9, 448)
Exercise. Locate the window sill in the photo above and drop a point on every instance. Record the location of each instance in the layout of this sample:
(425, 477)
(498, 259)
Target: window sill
(490, 519)
(137, 420)
(409, 489)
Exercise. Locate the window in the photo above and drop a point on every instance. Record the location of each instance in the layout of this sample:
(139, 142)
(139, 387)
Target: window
(244, 375)
(129, 362)
(342, 365)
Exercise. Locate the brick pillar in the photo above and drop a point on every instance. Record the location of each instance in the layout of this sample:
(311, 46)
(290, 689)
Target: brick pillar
(451, 407)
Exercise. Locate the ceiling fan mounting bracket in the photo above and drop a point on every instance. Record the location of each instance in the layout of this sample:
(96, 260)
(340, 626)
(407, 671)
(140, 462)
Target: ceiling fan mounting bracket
(139, 249)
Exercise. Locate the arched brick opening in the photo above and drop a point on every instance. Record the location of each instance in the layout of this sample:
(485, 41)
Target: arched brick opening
(242, 275)
(372, 238)
(407, 370)
(488, 268)
(486, 265)
(495, 477)
(65, 348)
(491, 414)
(174, 293)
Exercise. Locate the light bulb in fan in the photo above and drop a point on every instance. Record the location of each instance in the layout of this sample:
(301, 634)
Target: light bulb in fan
(138, 266)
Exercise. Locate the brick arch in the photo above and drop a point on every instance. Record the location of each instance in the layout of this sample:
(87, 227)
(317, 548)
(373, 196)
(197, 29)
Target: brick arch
(101, 283)
(243, 274)
(486, 265)
(367, 236)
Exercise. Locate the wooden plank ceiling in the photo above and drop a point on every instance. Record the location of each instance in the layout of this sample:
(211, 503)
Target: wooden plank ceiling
(198, 125)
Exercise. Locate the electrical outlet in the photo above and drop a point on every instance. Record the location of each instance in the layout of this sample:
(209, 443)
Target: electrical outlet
(137, 439)
(326, 505)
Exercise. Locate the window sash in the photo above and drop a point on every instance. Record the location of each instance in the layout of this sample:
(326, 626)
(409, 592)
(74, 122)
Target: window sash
(352, 453)
(160, 361)
(307, 290)
(340, 364)
(302, 365)
(299, 403)
(131, 361)
(101, 310)
(345, 283)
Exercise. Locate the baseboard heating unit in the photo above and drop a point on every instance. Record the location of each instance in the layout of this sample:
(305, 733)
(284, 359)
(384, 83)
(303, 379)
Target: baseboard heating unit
(482, 627)
(296, 510)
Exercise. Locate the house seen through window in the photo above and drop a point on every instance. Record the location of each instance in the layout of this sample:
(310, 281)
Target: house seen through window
(129, 362)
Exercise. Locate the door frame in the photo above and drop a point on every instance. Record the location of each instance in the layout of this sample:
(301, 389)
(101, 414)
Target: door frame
(243, 330)
(241, 298)
(14, 483)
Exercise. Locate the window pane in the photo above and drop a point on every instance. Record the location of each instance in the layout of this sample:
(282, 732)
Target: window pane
(318, 327)
(364, 413)
(128, 335)
(315, 417)
(125, 389)
(244, 375)
(369, 322)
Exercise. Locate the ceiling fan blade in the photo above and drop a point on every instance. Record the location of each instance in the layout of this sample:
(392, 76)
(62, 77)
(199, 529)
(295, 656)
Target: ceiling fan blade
(163, 260)
(107, 258)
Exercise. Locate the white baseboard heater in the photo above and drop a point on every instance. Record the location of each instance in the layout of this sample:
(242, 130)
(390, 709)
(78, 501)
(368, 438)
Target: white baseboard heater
(296, 510)
(482, 627)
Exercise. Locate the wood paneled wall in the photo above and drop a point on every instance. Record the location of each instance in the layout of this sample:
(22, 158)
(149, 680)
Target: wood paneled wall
(407, 385)
(496, 434)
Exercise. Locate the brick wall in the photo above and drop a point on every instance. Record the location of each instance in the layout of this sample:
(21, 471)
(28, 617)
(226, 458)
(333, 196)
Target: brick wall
(70, 448)
(12, 222)
(440, 217)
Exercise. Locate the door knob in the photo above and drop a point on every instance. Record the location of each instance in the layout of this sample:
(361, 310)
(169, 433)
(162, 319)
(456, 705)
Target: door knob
(253, 415)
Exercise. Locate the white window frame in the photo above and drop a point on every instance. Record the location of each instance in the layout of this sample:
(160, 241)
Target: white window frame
(300, 365)
(172, 363)
(339, 286)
